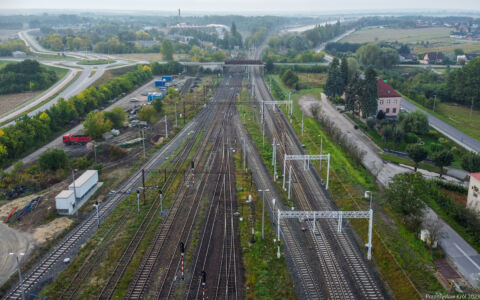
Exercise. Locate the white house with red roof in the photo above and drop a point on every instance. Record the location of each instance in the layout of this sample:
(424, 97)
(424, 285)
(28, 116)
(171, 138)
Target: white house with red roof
(388, 99)
(473, 198)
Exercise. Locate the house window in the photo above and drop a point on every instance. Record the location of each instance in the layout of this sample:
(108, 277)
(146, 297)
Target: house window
(395, 101)
(388, 101)
(381, 101)
(387, 110)
(394, 110)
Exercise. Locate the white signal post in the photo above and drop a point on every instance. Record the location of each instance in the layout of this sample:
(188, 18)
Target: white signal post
(306, 163)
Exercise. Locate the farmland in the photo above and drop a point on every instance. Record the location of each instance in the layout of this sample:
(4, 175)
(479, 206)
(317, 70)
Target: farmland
(438, 38)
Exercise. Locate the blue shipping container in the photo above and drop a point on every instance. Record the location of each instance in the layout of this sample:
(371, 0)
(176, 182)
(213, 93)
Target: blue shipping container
(154, 96)
(167, 78)
(160, 82)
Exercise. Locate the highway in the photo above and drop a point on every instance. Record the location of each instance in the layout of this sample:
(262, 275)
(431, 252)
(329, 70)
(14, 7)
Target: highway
(88, 75)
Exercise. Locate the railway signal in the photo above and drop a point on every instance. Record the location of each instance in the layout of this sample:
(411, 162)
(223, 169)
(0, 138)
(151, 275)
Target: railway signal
(161, 201)
(138, 201)
(96, 208)
(204, 289)
(182, 250)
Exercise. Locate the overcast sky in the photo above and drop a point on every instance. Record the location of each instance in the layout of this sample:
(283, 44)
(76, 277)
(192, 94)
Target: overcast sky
(259, 6)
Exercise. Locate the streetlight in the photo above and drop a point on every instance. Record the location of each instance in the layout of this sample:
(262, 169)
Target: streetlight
(263, 211)
(19, 272)
(95, 151)
(370, 225)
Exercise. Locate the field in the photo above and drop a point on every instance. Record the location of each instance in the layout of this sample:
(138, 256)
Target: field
(459, 116)
(438, 37)
(6, 34)
(10, 101)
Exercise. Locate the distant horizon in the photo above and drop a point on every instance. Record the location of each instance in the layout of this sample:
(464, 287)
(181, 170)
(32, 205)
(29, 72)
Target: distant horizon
(190, 13)
(246, 7)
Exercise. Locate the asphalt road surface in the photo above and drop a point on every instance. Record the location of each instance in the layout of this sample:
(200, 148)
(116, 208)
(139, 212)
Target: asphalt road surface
(14, 241)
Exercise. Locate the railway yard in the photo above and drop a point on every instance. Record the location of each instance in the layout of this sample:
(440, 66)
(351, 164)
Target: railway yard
(184, 240)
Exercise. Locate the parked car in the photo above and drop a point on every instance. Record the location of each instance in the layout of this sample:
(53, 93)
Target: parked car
(134, 100)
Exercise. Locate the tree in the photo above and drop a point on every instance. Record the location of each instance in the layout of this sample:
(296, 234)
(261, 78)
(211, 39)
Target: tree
(147, 114)
(369, 97)
(167, 50)
(471, 162)
(405, 193)
(417, 153)
(344, 71)
(158, 104)
(289, 78)
(96, 124)
(416, 122)
(353, 92)
(367, 54)
(117, 116)
(269, 64)
(334, 85)
(442, 159)
(53, 159)
(388, 58)
(387, 133)
(434, 226)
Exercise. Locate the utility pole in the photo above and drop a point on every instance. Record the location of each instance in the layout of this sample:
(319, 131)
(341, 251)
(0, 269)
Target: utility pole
(263, 135)
(19, 273)
(302, 122)
(161, 201)
(263, 211)
(166, 127)
(244, 156)
(176, 123)
(184, 112)
(434, 101)
(95, 152)
(143, 142)
(290, 182)
(143, 184)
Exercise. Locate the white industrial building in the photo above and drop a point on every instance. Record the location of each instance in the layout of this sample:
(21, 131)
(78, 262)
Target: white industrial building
(69, 201)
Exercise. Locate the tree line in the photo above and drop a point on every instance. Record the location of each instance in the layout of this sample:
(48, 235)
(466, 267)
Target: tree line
(29, 132)
(27, 75)
(8, 47)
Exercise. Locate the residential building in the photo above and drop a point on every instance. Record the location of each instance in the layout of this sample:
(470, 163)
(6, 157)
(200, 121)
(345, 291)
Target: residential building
(388, 100)
(407, 57)
(473, 198)
(432, 58)
(465, 58)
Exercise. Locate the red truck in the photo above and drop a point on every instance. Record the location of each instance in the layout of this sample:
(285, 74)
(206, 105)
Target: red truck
(70, 139)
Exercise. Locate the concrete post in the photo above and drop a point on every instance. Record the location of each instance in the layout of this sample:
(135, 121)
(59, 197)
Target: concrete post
(370, 227)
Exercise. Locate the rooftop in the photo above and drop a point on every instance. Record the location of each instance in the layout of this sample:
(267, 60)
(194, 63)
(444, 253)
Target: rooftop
(83, 178)
(475, 175)
(385, 90)
(65, 194)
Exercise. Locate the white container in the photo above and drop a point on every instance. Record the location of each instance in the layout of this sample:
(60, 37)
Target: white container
(84, 183)
(64, 202)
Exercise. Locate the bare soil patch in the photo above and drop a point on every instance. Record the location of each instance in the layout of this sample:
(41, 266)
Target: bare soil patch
(10, 101)
(49, 231)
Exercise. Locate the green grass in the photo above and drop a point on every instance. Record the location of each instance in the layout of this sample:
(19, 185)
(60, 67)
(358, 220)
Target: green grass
(403, 261)
(61, 72)
(96, 62)
(459, 117)
(266, 276)
(407, 161)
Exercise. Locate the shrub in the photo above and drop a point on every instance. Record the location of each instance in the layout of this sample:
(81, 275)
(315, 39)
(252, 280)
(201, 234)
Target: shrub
(371, 123)
(411, 138)
(53, 159)
(435, 147)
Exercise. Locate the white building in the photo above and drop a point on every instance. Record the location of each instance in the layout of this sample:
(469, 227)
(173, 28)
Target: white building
(69, 201)
(65, 202)
(473, 199)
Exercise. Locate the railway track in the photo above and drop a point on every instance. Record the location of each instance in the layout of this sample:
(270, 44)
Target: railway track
(211, 174)
(342, 264)
(51, 263)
